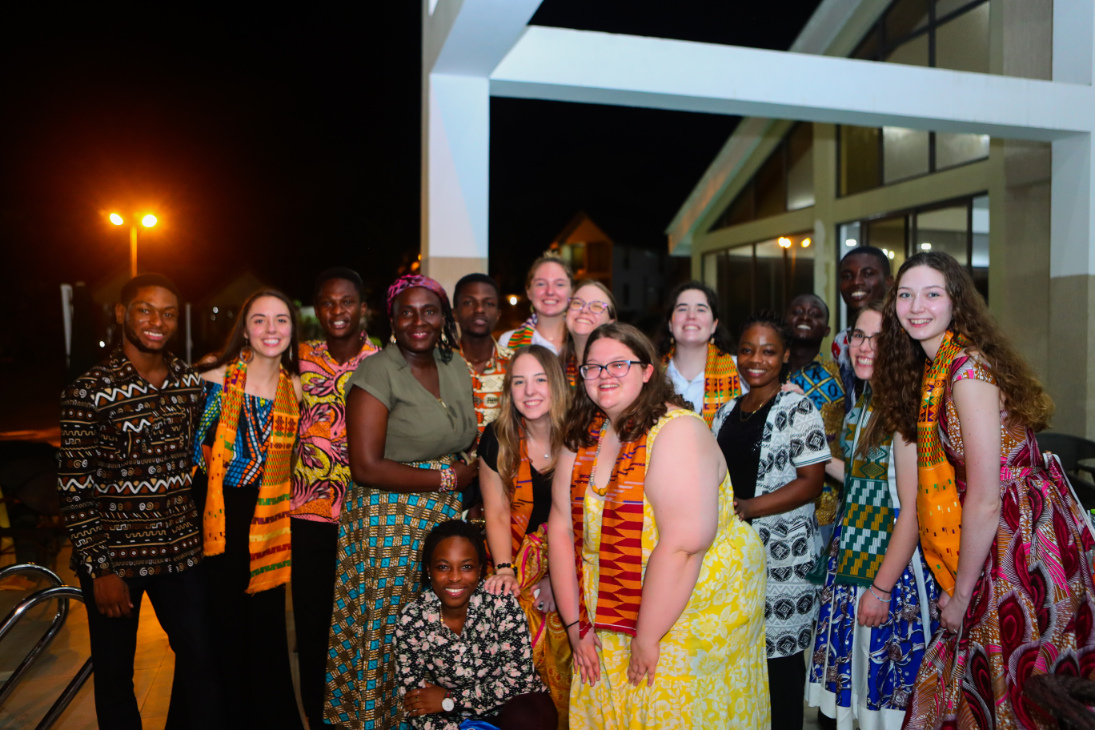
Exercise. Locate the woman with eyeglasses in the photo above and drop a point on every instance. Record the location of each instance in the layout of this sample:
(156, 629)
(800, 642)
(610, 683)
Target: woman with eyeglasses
(696, 350)
(659, 584)
(775, 449)
(548, 287)
(877, 606)
(591, 306)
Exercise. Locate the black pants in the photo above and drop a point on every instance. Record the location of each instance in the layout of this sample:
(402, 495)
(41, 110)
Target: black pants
(787, 687)
(315, 552)
(179, 601)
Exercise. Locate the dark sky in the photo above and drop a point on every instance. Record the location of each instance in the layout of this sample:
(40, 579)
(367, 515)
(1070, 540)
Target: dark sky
(287, 142)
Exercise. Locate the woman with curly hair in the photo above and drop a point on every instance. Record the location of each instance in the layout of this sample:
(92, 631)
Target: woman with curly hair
(999, 526)
(659, 584)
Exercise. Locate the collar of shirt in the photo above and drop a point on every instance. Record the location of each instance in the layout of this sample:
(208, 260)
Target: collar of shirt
(690, 390)
(122, 367)
(319, 347)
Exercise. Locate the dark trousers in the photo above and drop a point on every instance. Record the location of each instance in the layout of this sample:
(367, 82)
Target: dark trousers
(179, 601)
(315, 552)
(787, 687)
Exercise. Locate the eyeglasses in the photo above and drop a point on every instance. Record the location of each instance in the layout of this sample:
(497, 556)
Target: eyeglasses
(858, 337)
(578, 305)
(616, 368)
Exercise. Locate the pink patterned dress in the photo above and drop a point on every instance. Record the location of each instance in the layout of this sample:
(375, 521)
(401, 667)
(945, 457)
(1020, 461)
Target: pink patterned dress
(1033, 609)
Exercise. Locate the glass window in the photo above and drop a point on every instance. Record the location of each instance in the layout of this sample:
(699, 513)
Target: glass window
(770, 183)
(946, 230)
(740, 211)
(904, 18)
(911, 53)
(800, 167)
(944, 8)
(956, 149)
(905, 153)
(859, 164)
(736, 286)
(979, 263)
(868, 47)
(800, 265)
(849, 236)
(769, 278)
(962, 44)
(890, 235)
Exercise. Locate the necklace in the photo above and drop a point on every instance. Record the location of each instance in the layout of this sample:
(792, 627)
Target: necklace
(547, 453)
(744, 415)
(593, 469)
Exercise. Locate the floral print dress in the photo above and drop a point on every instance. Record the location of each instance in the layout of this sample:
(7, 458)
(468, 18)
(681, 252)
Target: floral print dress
(484, 666)
(1033, 608)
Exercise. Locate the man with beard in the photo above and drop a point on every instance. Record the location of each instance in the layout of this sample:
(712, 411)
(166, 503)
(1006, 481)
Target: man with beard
(475, 307)
(124, 476)
(321, 473)
(864, 276)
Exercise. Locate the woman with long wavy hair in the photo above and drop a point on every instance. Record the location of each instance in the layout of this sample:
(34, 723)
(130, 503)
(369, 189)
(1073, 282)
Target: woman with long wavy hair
(659, 584)
(517, 458)
(999, 525)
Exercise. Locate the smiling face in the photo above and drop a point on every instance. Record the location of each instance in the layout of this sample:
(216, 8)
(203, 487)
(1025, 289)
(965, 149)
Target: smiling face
(150, 320)
(761, 355)
(611, 394)
(924, 308)
(808, 319)
(269, 327)
(529, 388)
(862, 355)
(417, 320)
(862, 279)
(549, 291)
(454, 571)
(477, 309)
(581, 320)
(692, 321)
(339, 309)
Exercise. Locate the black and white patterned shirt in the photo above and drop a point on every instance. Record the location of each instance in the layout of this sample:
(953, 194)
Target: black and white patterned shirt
(124, 469)
(485, 666)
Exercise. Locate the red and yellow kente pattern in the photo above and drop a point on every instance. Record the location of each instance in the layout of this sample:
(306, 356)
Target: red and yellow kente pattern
(522, 335)
(721, 382)
(520, 508)
(937, 505)
(269, 537)
(621, 555)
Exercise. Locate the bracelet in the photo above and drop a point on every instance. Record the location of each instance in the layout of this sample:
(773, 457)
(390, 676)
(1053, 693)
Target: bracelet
(566, 627)
(448, 479)
(877, 598)
(499, 566)
(881, 590)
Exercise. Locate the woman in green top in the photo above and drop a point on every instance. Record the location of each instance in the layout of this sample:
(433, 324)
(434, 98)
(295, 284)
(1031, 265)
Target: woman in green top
(409, 413)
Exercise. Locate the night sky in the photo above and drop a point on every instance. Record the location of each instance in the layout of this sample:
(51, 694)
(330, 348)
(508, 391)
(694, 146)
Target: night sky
(287, 142)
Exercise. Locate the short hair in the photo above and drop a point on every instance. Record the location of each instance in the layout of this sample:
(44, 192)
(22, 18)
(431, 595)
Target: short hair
(721, 337)
(549, 259)
(445, 530)
(473, 279)
(768, 318)
(129, 291)
(824, 306)
(878, 253)
(340, 272)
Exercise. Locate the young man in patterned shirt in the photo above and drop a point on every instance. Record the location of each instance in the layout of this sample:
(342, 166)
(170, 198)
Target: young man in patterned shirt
(124, 476)
(321, 474)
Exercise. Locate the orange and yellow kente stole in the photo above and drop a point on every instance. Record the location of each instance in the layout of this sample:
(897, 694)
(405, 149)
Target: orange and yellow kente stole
(620, 587)
(721, 382)
(522, 335)
(520, 508)
(937, 505)
(269, 535)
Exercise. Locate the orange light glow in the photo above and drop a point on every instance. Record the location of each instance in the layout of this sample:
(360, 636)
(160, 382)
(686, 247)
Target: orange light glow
(116, 219)
(148, 221)
(784, 242)
(806, 243)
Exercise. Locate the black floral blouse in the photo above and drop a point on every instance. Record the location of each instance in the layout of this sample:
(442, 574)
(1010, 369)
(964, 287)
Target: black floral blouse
(487, 665)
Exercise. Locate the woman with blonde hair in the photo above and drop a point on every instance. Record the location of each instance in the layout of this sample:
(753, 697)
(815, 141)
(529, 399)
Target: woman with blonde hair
(591, 306)
(517, 457)
(548, 286)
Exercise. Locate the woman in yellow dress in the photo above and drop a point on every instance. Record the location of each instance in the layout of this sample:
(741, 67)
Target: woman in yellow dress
(664, 607)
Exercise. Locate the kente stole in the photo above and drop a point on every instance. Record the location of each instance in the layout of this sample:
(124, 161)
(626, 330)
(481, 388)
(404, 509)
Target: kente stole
(520, 508)
(620, 587)
(522, 335)
(269, 541)
(937, 505)
(869, 512)
(721, 382)
(572, 370)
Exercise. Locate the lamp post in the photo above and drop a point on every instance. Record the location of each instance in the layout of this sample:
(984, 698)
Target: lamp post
(147, 221)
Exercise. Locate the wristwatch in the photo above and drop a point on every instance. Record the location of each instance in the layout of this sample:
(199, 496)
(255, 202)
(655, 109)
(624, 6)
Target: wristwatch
(447, 704)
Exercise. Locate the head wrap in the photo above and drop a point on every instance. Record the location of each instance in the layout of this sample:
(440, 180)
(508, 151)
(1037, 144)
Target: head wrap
(412, 280)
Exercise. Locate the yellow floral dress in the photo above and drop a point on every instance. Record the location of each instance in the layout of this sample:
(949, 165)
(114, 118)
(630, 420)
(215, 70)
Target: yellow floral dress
(712, 668)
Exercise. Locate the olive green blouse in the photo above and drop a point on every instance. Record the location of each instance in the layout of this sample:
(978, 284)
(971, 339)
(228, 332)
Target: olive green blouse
(420, 427)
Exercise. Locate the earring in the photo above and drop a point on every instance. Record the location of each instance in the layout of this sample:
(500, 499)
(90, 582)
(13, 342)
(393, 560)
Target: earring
(444, 339)
(246, 353)
(391, 339)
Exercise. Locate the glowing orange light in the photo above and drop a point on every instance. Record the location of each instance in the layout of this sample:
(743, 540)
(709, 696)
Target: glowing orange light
(806, 243)
(116, 219)
(784, 242)
(148, 221)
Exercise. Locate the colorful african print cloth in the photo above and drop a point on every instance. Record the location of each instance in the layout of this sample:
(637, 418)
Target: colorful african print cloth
(721, 382)
(486, 387)
(522, 335)
(322, 470)
(820, 382)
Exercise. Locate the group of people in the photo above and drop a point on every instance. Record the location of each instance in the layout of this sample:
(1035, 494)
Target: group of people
(576, 525)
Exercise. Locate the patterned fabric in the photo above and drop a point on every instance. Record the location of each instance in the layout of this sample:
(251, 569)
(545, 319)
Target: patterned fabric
(487, 386)
(721, 381)
(794, 436)
(484, 666)
(522, 335)
(409, 281)
(820, 380)
(124, 469)
(322, 469)
(245, 468)
(1033, 607)
(380, 537)
(844, 364)
(937, 502)
(521, 500)
(711, 663)
(269, 537)
(620, 561)
(869, 505)
(571, 368)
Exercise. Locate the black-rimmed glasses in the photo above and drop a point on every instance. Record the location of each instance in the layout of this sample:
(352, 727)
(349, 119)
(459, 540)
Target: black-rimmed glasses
(858, 337)
(616, 368)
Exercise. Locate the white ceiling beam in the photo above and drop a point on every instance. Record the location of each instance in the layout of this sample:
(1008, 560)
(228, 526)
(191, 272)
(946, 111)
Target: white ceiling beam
(470, 37)
(604, 68)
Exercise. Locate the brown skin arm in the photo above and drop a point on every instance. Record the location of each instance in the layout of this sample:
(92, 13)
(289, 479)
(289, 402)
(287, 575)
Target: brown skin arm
(424, 701)
(112, 596)
(795, 493)
(366, 431)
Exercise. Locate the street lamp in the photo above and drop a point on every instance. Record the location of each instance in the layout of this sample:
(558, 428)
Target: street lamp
(148, 221)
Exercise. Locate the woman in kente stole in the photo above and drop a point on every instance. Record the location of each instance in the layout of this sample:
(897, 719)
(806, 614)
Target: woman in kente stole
(516, 460)
(548, 286)
(877, 609)
(591, 306)
(660, 586)
(243, 450)
(1000, 527)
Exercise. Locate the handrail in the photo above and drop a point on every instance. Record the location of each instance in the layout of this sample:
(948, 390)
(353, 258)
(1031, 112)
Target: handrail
(31, 568)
